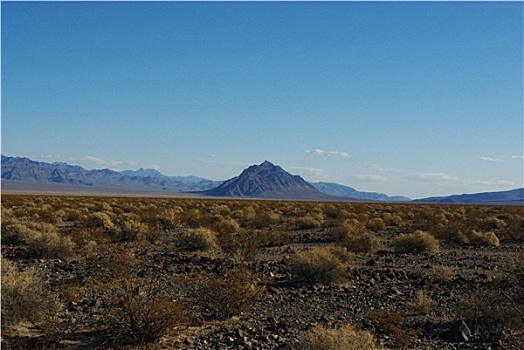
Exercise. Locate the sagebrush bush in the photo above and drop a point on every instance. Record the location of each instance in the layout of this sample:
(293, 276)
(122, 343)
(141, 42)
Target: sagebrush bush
(376, 224)
(317, 265)
(220, 298)
(441, 273)
(244, 245)
(101, 220)
(489, 310)
(345, 337)
(418, 242)
(50, 245)
(392, 323)
(355, 237)
(24, 296)
(200, 238)
(421, 304)
(482, 238)
(140, 314)
(129, 227)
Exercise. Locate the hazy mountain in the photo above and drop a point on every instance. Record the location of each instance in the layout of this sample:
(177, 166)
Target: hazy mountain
(205, 183)
(334, 189)
(23, 173)
(267, 181)
(515, 196)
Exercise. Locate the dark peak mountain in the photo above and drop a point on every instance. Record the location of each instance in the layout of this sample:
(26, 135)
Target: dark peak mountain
(334, 189)
(267, 181)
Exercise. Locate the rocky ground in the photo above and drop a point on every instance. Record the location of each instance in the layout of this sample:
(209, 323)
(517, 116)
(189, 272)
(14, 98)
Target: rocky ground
(383, 280)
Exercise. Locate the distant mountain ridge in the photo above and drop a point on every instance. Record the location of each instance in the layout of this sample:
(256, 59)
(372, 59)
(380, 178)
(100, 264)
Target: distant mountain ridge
(334, 189)
(515, 196)
(257, 181)
(18, 173)
(268, 181)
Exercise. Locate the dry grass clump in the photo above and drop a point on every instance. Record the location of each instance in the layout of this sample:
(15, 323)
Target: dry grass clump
(226, 225)
(489, 310)
(140, 314)
(392, 324)
(24, 296)
(318, 265)
(129, 227)
(441, 273)
(355, 237)
(482, 238)
(100, 220)
(307, 222)
(345, 337)
(244, 245)
(200, 238)
(376, 224)
(42, 240)
(418, 242)
(220, 298)
(422, 304)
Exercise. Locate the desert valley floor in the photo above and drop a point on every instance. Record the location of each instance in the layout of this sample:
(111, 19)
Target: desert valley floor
(100, 272)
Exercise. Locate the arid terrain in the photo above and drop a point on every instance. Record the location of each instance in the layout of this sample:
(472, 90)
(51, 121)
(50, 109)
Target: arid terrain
(95, 272)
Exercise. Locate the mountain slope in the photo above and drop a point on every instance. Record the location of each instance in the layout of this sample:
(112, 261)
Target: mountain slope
(515, 196)
(267, 181)
(334, 189)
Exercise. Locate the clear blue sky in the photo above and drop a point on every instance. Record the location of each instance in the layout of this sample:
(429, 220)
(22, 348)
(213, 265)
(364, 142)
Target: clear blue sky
(407, 98)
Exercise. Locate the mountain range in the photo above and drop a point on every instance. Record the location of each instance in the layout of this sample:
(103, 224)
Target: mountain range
(266, 180)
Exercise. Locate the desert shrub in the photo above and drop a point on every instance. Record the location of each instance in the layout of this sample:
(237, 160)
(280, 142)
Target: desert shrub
(489, 310)
(348, 228)
(20, 233)
(307, 222)
(376, 224)
(109, 265)
(194, 239)
(421, 303)
(482, 238)
(342, 254)
(345, 337)
(100, 220)
(24, 296)
(226, 225)
(140, 314)
(492, 223)
(510, 274)
(441, 273)
(50, 245)
(317, 265)
(364, 243)
(265, 219)
(392, 324)
(418, 242)
(242, 246)
(355, 237)
(128, 228)
(220, 298)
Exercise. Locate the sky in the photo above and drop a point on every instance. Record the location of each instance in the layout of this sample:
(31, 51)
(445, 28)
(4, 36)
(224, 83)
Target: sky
(404, 98)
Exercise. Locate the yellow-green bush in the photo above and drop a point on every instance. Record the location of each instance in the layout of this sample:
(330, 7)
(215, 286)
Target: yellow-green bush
(317, 265)
(223, 297)
(200, 238)
(418, 242)
(482, 238)
(24, 296)
(345, 337)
